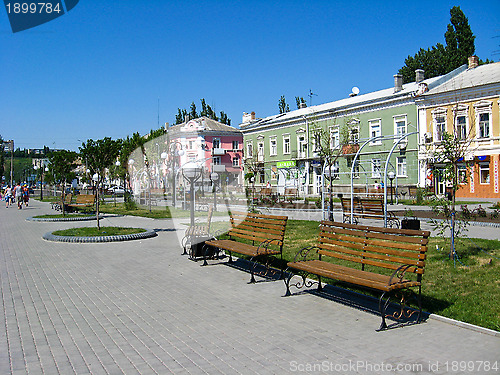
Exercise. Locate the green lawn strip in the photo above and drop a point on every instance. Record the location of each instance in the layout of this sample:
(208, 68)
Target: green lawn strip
(94, 231)
(467, 291)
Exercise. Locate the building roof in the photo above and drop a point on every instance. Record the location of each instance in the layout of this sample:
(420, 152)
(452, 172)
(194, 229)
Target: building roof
(469, 78)
(203, 124)
(409, 90)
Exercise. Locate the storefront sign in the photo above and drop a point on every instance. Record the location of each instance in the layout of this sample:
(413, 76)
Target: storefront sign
(286, 164)
(495, 174)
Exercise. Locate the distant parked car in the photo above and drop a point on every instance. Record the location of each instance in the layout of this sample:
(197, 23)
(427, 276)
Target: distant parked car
(116, 190)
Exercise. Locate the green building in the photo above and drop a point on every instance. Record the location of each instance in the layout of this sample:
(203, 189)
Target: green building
(284, 151)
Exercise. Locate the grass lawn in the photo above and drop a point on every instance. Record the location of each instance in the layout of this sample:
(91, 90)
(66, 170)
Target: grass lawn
(468, 291)
(94, 231)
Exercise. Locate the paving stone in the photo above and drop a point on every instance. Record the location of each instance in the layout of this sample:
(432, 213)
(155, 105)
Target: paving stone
(139, 307)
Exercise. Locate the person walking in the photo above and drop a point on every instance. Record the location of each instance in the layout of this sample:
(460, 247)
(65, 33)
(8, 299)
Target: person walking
(26, 195)
(18, 193)
(7, 196)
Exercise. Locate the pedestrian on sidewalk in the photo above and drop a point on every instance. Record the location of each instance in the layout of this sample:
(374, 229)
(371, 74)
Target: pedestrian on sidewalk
(26, 195)
(8, 196)
(18, 193)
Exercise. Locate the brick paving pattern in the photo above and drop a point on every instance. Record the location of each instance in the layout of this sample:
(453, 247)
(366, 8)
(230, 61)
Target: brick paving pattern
(139, 307)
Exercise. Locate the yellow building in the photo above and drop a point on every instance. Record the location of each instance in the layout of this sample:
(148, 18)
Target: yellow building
(466, 105)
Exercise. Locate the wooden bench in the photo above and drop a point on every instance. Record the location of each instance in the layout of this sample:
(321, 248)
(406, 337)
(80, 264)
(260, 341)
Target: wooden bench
(253, 235)
(368, 208)
(195, 235)
(83, 201)
(291, 193)
(58, 205)
(387, 260)
(266, 192)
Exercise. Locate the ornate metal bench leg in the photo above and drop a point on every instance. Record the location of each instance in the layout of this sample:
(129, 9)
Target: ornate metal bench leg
(320, 287)
(205, 249)
(383, 307)
(287, 283)
(252, 271)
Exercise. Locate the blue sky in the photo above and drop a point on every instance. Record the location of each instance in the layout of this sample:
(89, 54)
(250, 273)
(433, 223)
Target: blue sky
(100, 69)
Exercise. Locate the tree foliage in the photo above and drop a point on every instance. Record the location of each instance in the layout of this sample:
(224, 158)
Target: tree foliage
(100, 155)
(301, 102)
(440, 59)
(62, 165)
(206, 111)
(282, 106)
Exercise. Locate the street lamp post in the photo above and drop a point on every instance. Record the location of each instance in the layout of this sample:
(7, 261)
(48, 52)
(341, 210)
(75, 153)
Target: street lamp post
(215, 178)
(391, 177)
(191, 172)
(175, 151)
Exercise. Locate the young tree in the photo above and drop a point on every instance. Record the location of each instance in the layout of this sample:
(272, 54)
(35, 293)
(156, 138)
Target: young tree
(62, 169)
(452, 151)
(100, 155)
(329, 149)
(301, 102)
(282, 106)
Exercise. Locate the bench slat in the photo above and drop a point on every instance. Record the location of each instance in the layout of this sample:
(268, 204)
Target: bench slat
(375, 242)
(368, 255)
(383, 250)
(350, 275)
(390, 266)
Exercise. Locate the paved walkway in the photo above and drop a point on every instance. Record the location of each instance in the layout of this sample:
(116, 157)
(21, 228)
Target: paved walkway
(139, 307)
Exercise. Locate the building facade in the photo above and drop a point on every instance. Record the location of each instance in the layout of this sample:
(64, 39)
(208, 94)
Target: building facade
(466, 105)
(282, 150)
(214, 146)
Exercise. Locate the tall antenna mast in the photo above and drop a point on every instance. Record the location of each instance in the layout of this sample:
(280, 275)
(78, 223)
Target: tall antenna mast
(311, 94)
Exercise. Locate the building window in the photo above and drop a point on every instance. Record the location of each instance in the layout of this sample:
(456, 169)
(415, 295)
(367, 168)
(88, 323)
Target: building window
(262, 176)
(440, 121)
(462, 174)
(484, 173)
(461, 127)
(355, 170)
(216, 143)
(483, 118)
(236, 145)
(273, 147)
(260, 151)
(376, 168)
(354, 135)
(401, 166)
(400, 126)
(286, 144)
(249, 150)
(191, 145)
(334, 138)
(484, 125)
(375, 131)
(236, 161)
(302, 145)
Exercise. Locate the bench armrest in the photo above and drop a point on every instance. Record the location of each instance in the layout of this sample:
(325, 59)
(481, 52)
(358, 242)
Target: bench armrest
(265, 245)
(398, 274)
(303, 253)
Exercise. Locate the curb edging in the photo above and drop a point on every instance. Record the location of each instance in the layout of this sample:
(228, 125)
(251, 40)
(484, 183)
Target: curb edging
(97, 239)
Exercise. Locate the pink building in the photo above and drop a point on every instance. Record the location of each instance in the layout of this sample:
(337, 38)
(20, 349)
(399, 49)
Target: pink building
(215, 146)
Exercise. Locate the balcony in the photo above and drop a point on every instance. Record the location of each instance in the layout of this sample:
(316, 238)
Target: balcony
(218, 151)
(218, 168)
